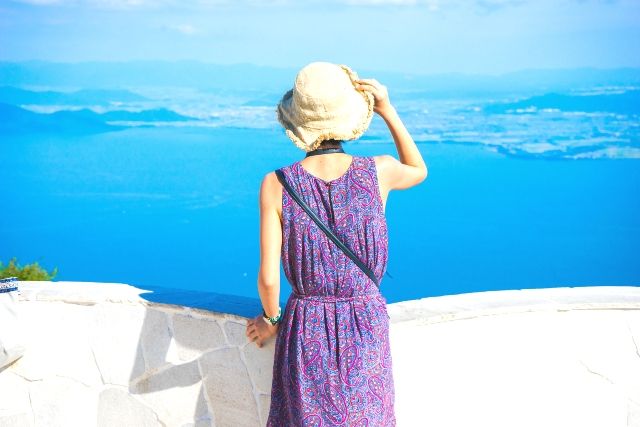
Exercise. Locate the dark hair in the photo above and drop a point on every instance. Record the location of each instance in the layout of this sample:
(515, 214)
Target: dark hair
(331, 143)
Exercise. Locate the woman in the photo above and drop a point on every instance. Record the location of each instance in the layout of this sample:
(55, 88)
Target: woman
(332, 361)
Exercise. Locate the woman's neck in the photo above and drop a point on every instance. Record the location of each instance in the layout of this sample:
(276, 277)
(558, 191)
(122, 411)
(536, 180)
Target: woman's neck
(327, 147)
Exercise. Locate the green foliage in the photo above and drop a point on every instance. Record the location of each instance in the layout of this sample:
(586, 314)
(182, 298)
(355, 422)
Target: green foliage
(25, 272)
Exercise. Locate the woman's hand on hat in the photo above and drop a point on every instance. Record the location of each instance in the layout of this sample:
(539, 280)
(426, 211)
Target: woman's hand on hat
(379, 92)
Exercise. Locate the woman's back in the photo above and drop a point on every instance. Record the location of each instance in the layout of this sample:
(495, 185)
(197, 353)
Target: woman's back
(352, 207)
(332, 359)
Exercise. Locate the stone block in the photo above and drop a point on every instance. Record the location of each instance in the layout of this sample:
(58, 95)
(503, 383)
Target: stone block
(195, 335)
(174, 393)
(229, 388)
(15, 405)
(16, 420)
(62, 402)
(157, 339)
(58, 342)
(116, 340)
(604, 344)
(235, 332)
(260, 364)
(264, 403)
(116, 407)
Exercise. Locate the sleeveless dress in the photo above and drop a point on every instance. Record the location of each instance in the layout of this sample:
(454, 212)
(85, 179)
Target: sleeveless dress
(332, 364)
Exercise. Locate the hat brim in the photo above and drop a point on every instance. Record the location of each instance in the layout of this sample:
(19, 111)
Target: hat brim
(354, 119)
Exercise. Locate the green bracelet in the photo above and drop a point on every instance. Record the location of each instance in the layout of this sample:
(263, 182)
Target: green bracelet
(272, 320)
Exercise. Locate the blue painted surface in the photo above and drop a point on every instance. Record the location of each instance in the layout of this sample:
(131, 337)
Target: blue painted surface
(222, 303)
(178, 209)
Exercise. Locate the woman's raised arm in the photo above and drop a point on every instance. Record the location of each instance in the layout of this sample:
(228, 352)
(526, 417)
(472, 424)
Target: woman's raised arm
(411, 170)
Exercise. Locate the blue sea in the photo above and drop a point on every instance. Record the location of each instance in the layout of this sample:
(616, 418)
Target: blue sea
(519, 197)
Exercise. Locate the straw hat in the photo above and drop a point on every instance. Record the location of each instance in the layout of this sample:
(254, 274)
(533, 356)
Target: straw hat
(325, 104)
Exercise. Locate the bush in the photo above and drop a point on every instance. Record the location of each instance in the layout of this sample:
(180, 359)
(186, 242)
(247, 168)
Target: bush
(26, 272)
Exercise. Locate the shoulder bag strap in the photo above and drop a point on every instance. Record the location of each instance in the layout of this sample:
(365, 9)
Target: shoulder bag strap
(324, 228)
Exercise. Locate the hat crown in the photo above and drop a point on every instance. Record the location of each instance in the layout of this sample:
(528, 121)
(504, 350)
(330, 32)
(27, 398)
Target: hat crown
(322, 81)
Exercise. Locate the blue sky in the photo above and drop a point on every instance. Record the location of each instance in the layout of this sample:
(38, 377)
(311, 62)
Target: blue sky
(413, 36)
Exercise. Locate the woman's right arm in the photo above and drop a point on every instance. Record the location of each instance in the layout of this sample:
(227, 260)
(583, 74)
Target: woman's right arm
(411, 170)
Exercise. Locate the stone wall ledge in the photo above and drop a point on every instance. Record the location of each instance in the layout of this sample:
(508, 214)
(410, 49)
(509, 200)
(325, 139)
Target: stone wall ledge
(425, 310)
(490, 303)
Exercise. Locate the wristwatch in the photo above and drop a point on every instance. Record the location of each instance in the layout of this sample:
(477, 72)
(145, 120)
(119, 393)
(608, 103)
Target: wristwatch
(272, 320)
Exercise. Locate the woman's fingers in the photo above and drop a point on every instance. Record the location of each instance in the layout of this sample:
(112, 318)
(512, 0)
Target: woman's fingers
(370, 84)
(378, 91)
(369, 81)
(254, 335)
(250, 329)
(253, 331)
(258, 340)
(367, 86)
(257, 332)
(372, 90)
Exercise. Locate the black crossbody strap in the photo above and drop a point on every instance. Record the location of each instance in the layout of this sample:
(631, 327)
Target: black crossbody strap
(324, 228)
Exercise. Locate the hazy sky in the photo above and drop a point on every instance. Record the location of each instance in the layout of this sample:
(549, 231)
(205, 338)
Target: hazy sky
(431, 36)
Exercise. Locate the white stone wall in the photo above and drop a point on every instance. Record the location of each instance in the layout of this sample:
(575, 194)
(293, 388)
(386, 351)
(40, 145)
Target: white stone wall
(560, 357)
(99, 354)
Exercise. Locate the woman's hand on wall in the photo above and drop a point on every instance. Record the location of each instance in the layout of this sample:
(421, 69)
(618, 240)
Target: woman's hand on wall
(259, 331)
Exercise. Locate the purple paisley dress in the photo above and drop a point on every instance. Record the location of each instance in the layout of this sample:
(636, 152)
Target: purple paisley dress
(332, 363)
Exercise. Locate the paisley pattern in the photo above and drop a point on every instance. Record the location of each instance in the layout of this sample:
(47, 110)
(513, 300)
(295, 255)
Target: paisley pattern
(332, 363)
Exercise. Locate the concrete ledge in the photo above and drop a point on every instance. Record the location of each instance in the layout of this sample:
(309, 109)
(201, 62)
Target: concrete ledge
(101, 354)
(490, 303)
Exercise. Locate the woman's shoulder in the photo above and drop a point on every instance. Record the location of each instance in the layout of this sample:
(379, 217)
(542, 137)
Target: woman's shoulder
(382, 160)
(271, 183)
(286, 170)
(380, 164)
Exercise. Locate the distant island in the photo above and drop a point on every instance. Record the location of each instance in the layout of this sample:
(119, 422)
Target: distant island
(622, 103)
(18, 96)
(16, 119)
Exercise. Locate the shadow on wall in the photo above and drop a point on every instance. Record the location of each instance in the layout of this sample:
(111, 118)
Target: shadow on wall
(201, 361)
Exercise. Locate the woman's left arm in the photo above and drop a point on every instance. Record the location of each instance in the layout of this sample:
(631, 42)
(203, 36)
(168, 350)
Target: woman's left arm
(270, 248)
